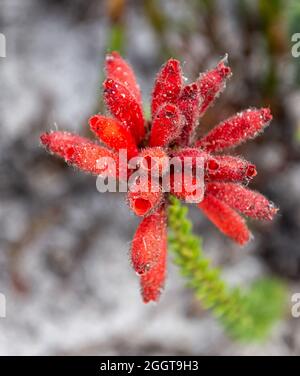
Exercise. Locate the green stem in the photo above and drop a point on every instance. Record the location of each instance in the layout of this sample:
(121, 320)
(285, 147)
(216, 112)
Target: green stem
(245, 315)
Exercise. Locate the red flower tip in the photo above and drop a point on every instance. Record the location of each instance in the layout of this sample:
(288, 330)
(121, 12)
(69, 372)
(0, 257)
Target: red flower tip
(246, 201)
(119, 70)
(141, 206)
(229, 168)
(144, 196)
(82, 153)
(148, 242)
(235, 130)
(45, 139)
(224, 69)
(93, 122)
(212, 165)
(225, 218)
(144, 204)
(113, 134)
(167, 86)
(212, 83)
(62, 143)
(251, 171)
(124, 106)
(266, 115)
(149, 254)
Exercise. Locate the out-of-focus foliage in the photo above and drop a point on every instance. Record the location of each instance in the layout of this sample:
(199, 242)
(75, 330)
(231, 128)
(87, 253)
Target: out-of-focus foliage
(116, 37)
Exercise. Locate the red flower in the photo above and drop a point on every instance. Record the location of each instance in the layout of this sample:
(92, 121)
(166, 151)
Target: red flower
(176, 109)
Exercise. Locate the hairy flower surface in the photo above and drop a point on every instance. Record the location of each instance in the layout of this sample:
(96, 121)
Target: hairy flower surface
(172, 132)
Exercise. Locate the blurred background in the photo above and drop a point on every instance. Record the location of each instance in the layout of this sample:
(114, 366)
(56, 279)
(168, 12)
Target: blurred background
(64, 264)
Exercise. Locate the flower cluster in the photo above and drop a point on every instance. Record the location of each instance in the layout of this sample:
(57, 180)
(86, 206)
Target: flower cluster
(172, 132)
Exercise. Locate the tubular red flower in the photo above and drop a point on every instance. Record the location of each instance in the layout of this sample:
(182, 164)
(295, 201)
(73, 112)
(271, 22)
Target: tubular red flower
(189, 105)
(167, 125)
(212, 83)
(235, 130)
(82, 153)
(147, 241)
(153, 243)
(250, 203)
(144, 196)
(123, 105)
(167, 86)
(225, 218)
(229, 168)
(113, 134)
(119, 70)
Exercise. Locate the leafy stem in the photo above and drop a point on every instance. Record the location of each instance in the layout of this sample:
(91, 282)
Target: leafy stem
(246, 315)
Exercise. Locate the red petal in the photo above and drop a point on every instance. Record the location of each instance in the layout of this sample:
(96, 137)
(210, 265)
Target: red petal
(229, 168)
(226, 219)
(212, 83)
(143, 199)
(81, 152)
(166, 126)
(148, 242)
(119, 70)
(113, 134)
(155, 238)
(250, 203)
(123, 105)
(189, 104)
(167, 86)
(236, 129)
